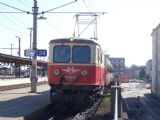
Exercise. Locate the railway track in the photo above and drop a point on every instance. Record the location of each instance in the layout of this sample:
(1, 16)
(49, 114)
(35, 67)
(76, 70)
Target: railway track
(51, 114)
(56, 116)
(71, 115)
(89, 113)
(65, 115)
(92, 112)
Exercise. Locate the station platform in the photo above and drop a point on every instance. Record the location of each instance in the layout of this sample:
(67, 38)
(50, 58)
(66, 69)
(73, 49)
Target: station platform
(17, 103)
(15, 81)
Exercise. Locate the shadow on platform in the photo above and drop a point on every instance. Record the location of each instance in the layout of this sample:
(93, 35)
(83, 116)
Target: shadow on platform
(20, 106)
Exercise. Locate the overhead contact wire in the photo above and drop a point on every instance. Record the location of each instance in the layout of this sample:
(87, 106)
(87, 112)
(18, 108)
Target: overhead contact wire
(59, 6)
(14, 8)
(24, 4)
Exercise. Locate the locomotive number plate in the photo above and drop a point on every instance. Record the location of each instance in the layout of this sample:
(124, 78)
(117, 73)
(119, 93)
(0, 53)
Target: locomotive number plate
(70, 77)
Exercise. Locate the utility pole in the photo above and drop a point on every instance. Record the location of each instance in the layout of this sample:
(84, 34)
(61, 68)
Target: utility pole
(34, 78)
(11, 47)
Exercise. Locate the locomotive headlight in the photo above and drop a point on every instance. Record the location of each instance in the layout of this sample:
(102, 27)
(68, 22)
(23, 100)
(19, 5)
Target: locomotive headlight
(84, 72)
(57, 72)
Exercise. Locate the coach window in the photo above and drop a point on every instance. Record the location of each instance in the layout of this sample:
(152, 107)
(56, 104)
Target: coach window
(81, 54)
(61, 54)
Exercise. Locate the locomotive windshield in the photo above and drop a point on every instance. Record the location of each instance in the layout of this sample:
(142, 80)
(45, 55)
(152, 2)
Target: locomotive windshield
(81, 54)
(61, 54)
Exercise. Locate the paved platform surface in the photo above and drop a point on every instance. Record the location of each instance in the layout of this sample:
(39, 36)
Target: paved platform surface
(15, 81)
(14, 104)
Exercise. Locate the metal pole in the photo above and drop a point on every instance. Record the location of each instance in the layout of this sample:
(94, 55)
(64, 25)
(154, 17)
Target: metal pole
(30, 47)
(11, 48)
(19, 47)
(30, 34)
(30, 39)
(19, 44)
(19, 66)
(19, 54)
(34, 59)
(96, 34)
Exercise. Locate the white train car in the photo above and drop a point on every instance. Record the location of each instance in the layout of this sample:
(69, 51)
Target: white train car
(156, 61)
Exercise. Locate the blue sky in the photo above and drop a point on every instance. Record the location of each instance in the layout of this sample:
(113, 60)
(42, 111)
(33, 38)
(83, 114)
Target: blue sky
(125, 31)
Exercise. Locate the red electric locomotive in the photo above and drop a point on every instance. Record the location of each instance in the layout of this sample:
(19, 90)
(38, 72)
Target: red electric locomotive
(77, 72)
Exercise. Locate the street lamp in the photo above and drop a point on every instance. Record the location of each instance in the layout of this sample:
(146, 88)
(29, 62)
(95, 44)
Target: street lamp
(19, 53)
(42, 18)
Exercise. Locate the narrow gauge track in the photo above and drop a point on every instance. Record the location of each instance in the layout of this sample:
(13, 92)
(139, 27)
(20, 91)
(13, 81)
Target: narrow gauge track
(56, 116)
(72, 115)
(63, 115)
(90, 112)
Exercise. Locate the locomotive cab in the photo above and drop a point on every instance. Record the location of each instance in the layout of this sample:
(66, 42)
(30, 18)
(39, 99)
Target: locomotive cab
(76, 71)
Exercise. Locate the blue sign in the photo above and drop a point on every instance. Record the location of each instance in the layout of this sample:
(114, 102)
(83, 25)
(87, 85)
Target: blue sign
(29, 53)
(42, 52)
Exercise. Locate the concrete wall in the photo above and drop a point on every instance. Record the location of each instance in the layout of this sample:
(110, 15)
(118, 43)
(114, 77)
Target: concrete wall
(156, 60)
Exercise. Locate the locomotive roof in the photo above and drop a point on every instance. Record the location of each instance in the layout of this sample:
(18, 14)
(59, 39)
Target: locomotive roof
(73, 40)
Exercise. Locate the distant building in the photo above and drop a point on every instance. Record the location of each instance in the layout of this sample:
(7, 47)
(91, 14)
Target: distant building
(138, 71)
(149, 69)
(133, 69)
(128, 71)
(118, 65)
